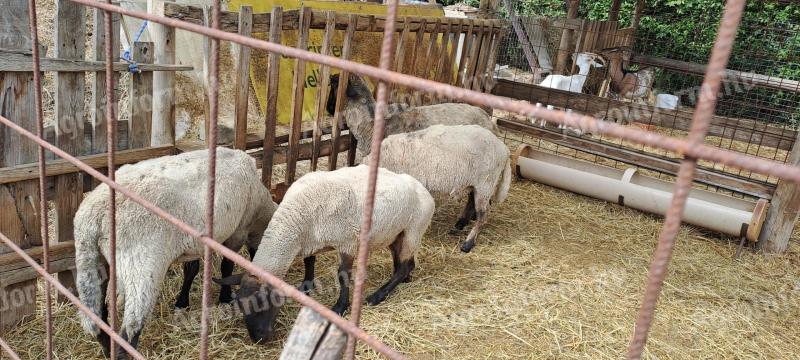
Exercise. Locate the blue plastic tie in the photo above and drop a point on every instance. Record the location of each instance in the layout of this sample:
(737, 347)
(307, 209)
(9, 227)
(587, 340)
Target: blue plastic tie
(126, 55)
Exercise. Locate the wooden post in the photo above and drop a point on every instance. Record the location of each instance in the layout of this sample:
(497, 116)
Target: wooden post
(99, 125)
(314, 338)
(322, 88)
(242, 80)
(18, 219)
(566, 37)
(783, 211)
(465, 48)
(298, 94)
(637, 14)
(163, 125)
(271, 113)
(487, 9)
(140, 93)
(69, 113)
(613, 12)
(522, 37)
(347, 49)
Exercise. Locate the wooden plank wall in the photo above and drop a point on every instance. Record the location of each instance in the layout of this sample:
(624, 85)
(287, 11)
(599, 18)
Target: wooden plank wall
(18, 221)
(76, 131)
(69, 113)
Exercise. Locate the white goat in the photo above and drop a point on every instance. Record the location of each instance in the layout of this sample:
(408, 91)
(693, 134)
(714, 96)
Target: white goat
(574, 83)
(451, 160)
(359, 113)
(147, 244)
(322, 211)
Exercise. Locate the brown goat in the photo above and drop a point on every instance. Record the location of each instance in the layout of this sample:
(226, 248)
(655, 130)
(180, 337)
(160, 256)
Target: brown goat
(634, 86)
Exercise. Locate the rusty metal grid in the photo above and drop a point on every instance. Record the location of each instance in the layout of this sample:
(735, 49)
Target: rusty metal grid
(692, 149)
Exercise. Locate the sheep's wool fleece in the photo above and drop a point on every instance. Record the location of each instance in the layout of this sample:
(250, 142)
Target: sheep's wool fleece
(450, 159)
(147, 244)
(322, 210)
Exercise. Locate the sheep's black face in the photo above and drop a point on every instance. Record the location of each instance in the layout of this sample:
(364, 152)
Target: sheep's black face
(331, 106)
(259, 304)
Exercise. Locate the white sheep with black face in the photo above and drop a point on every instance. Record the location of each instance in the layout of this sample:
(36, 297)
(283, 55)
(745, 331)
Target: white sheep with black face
(322, 211)
(147, 244)
(359, 113)
(452, 160)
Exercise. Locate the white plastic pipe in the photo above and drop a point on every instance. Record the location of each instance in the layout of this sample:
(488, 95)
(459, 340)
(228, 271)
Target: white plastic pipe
(705, 209)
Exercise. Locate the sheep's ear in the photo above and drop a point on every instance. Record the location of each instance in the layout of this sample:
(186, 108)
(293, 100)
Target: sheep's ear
(235, 279)
(351, 91)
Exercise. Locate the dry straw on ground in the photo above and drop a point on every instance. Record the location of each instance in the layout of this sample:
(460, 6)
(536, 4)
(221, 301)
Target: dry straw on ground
(554, 275)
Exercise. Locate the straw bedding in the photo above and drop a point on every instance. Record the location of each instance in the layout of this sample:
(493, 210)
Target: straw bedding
(554, 275)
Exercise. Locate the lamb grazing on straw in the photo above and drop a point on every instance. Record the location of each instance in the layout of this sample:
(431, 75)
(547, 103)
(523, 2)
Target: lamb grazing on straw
(147, 244)
(358, 109)
(453, 160)
(322, 211)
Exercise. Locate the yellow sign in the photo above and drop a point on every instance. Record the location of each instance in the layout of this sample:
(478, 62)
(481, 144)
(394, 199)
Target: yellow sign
(366, 48)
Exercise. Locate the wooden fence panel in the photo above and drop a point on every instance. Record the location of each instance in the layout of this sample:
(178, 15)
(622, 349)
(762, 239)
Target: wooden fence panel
(242, 98)
(141, 96)
(322, 90)
(298, 93)
(69, 112)
(17, 219)
(271, 113)
(347, 50)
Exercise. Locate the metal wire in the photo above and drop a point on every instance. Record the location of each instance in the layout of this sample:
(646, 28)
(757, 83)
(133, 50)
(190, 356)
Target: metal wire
(387, 50)
(111, 140)
(213, 92)
(692, 148)
(583, 122)
(37, 86)
(61, 288)
(700, 122)
(8, 350)
(262, 274)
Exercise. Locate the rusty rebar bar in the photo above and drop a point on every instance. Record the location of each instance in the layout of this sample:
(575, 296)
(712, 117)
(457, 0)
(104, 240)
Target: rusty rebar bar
(387, 50)
(278, 284)
(574, 120)
(63, 290)
(213, 97)
(111, 141)
(720, 54)
(43, 229)
(8, 350)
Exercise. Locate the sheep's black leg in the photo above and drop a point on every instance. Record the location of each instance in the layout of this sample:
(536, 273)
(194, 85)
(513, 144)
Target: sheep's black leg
(476, 230)
(102, 337)
(252, 252)
(308, 280)
(466, 215)
(402, 273)
(345, 272)
(190, 270)
(133, 340)
(225, 293)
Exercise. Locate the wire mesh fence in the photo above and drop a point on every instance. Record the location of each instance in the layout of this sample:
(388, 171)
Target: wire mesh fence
(690, 150)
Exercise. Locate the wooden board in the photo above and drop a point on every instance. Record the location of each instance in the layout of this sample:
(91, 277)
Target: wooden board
(298, 91)
(271, 115)
(291, 20)
(163, 125)
(14, 269)
(322, 91)
(645, 161)
(70, 116)
(744, 130)
(60, 167)
(141, 96)
(242, 87)
(783, 212)
(313, 337)
(99, 99)
(347, 50)
(21, 61)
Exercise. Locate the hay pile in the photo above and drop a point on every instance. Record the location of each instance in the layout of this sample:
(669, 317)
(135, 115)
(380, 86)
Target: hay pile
(554, 274)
